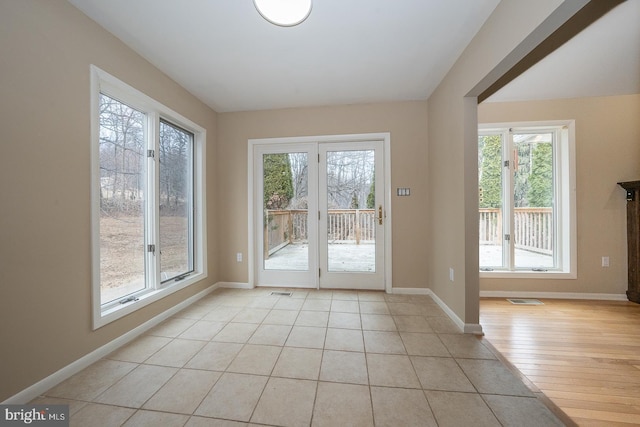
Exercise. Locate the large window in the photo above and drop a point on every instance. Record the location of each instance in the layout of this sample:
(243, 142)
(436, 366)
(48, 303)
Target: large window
(148, 199)
(527, 199)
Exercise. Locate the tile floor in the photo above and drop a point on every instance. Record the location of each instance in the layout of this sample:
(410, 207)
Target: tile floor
(316, 358)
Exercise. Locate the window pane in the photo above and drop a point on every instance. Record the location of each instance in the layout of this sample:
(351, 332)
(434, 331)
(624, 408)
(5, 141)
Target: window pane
(533, 200)
(176, 201)
(490, 200)
(286, 245)
(122, 202)
(351, 211)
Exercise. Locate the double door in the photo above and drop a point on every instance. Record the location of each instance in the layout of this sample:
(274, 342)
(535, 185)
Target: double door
(319, 219)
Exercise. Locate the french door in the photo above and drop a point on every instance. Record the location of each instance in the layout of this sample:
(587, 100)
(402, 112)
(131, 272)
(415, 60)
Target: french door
(319, 217)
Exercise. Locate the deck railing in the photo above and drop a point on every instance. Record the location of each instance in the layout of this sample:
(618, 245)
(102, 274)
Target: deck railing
(283, 227)
(533, 228)
(351, 225)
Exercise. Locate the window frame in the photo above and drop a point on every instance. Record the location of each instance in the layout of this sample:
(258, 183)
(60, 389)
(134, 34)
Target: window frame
(102, 82)
(565, 234)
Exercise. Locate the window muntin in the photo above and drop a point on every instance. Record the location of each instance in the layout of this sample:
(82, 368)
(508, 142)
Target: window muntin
(143, 154)
(526, 198)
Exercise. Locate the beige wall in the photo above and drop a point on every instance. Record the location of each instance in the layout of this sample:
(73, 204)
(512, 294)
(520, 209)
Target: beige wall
(514, 27)
(406, 121)
(607, 152)
(46, 47)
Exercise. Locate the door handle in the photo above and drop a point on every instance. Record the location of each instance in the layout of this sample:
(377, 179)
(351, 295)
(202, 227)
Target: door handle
(380, 215)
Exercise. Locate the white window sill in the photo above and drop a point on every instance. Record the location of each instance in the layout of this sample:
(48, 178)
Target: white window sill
(115, 312)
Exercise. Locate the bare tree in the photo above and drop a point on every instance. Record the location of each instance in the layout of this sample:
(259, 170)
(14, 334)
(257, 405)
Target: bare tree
(349, 177)
(300, 173)
(122, 150)
(175, 161)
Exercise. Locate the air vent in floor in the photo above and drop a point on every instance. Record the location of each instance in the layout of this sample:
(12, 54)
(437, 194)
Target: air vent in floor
(520, 301)
(281, 293)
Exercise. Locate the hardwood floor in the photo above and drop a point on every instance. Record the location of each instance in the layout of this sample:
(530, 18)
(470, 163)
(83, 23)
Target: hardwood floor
(583, 355)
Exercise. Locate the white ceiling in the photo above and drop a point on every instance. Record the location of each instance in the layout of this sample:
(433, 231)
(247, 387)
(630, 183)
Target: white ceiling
(354, 51)
(602, 60)
(347, 51)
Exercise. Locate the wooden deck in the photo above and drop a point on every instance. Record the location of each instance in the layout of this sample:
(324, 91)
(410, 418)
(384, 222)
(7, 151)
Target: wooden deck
(342, 257)
(583, 355)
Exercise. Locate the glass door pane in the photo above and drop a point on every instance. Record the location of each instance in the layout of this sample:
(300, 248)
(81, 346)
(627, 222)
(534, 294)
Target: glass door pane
(490, 193)
(285, 211)
(176, 201)
(316, 214)
(533, 200)
(122, 157)
(351, 212)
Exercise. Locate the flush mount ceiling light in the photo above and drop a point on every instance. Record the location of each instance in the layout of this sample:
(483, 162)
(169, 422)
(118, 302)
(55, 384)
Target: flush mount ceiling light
(285, 13)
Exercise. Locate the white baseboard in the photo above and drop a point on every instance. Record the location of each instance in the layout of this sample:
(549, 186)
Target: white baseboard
(411, 291)
(467, 328)
(473, 328)
(234, 285)
(73, 368)
(553, 295)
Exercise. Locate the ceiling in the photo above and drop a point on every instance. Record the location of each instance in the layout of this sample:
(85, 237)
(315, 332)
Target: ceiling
(356, 51)
(347, 51)
(602, 60)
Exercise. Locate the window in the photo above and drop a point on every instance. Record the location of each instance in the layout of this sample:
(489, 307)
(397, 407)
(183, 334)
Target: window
(526, 199)
(147, 199)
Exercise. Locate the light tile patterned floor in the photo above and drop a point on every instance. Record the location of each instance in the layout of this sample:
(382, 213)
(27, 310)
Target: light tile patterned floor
(316, 358)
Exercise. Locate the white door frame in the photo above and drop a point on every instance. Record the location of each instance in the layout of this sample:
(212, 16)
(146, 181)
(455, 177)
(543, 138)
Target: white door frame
(386, 140)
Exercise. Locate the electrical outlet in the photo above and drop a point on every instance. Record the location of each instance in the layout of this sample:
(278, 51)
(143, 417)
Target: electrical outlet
(451, 273)
(239, 257)
(605, 261)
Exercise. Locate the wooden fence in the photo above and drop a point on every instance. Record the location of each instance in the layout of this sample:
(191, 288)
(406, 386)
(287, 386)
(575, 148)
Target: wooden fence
(351, 225)
(533, 228)
(283, 227)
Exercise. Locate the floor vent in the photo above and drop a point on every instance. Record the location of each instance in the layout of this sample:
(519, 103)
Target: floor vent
(525, 301)
(281, 293)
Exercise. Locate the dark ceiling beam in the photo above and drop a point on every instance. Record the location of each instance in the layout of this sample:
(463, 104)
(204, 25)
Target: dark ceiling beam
(585, 16)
